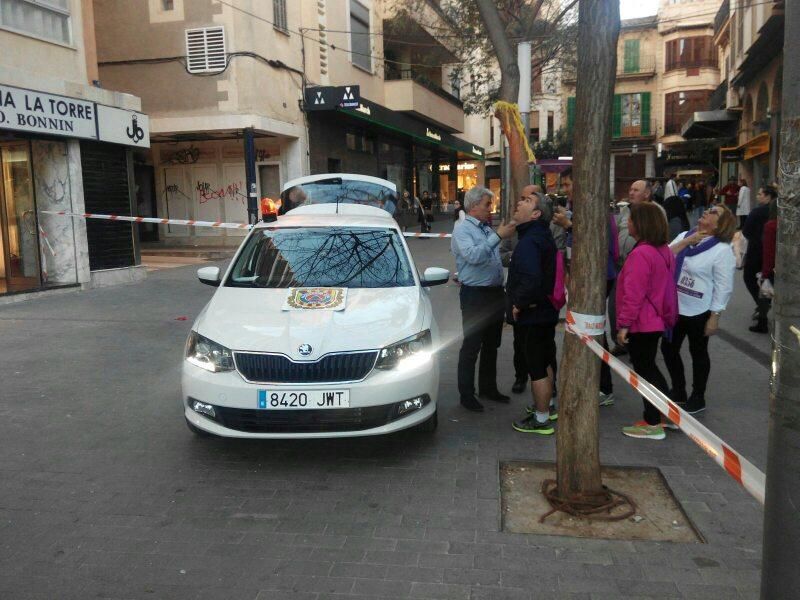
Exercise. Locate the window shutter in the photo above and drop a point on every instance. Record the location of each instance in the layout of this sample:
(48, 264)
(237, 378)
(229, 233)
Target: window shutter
(570, 113)
(616, 117)
(205, 50)
(645, 113)
(631, 56)
(279, 14)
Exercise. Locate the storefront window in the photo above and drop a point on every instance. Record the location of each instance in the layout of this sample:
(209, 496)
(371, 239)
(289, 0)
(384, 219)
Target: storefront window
(19, 255)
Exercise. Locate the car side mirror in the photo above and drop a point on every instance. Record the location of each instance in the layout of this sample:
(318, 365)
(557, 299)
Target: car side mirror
(209, 276)
(435, 276)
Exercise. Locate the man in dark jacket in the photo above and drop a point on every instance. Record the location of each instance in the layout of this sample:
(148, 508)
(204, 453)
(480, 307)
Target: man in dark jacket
(531, 277)
(753, 230)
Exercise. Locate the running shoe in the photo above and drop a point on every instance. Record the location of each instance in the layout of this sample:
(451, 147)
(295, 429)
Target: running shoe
(643, 430)
(606, 399)
(530, 425)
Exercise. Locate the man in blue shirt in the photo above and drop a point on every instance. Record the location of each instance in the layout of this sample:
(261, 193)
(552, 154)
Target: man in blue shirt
(476, 248)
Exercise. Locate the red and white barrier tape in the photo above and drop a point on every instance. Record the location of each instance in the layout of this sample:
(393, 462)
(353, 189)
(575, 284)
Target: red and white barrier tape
(187, 222)
(738, 467)
(46, 241)
(193, 223)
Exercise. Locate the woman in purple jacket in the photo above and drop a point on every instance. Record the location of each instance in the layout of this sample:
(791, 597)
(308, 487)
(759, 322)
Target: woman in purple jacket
(647, 304)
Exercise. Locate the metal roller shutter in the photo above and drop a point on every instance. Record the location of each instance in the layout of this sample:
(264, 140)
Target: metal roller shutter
(106, 191)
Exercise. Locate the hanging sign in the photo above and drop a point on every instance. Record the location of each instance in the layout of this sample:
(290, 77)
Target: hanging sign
(332, 97)
(30, 111)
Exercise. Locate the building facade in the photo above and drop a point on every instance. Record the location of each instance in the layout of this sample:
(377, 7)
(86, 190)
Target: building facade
(209, 71)
(750, 37)
(66, 144)
(667, 68)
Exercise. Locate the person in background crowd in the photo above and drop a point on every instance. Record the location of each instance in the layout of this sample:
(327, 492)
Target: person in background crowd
(658, 190)
(753, 230)
(646, 306)
(458, 210)
(671, 189)
(476, 249)
(743, 202)
(704, 268)
(424, 225)
(699, 201)
(769, 242)
(685, 194)
(730, 194)
(675, 208)
(531, 278)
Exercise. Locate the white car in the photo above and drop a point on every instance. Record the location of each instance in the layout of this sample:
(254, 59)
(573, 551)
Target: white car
(320, 326)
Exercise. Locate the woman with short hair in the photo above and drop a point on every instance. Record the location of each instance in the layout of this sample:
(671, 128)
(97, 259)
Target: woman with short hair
(704, 270)
(646, 305)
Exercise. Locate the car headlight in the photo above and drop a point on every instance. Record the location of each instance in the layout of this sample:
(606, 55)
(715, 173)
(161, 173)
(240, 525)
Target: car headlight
(408, 352)
(207, 354)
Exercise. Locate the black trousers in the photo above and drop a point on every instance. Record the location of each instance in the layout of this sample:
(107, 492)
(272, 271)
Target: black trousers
(642, 348)
(482, 316)
(694, 329)
(751, 282)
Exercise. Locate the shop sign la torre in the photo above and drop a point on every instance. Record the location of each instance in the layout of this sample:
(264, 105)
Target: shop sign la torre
(36, 112)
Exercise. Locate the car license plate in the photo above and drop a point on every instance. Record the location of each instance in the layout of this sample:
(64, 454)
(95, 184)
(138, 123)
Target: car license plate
(303, 400)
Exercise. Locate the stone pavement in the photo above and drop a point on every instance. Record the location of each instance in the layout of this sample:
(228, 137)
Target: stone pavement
(106, 494)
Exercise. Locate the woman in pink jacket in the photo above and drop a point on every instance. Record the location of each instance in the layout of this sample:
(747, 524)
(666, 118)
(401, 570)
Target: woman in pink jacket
(647, 305)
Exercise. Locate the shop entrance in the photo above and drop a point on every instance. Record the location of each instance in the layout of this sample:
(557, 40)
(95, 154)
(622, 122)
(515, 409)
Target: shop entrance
(19, 253)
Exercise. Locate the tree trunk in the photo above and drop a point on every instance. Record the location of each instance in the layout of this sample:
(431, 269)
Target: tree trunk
(578, 459)
(509, 91)
(782, 503)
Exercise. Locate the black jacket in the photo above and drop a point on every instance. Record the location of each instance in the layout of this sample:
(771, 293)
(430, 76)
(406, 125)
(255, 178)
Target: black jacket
(753, 230)
(531, 275)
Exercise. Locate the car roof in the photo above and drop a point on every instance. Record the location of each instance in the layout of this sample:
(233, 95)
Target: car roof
(329, 215)
(345, 176)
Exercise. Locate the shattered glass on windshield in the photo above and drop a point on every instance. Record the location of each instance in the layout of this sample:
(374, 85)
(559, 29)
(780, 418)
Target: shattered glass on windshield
(322, 257)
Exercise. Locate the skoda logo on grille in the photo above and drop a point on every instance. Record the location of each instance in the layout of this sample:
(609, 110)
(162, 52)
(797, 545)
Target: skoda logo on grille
(305, 349)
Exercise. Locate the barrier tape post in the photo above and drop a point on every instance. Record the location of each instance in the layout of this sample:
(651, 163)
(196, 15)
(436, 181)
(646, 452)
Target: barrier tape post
(736, 465)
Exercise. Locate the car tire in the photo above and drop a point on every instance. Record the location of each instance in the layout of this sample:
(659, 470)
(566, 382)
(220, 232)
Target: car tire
(430, 425)
(196, 430)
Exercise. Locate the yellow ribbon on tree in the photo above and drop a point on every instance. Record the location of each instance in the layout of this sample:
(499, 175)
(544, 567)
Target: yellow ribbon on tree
(508, 113)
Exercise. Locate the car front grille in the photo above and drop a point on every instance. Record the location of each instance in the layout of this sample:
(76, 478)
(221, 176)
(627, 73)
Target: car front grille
(276, 368)
(303, 421)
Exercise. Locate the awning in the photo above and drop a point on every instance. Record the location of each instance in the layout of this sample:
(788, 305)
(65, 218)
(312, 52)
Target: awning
(408, 126)
(553, 165)
(710, 124)
(757, 146)
(754, 148)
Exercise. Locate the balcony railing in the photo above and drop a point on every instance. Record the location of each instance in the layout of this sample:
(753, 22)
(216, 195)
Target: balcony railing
(722, 15)
(392, 73)
(645, 65)
(642, 130)
(691, 63)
